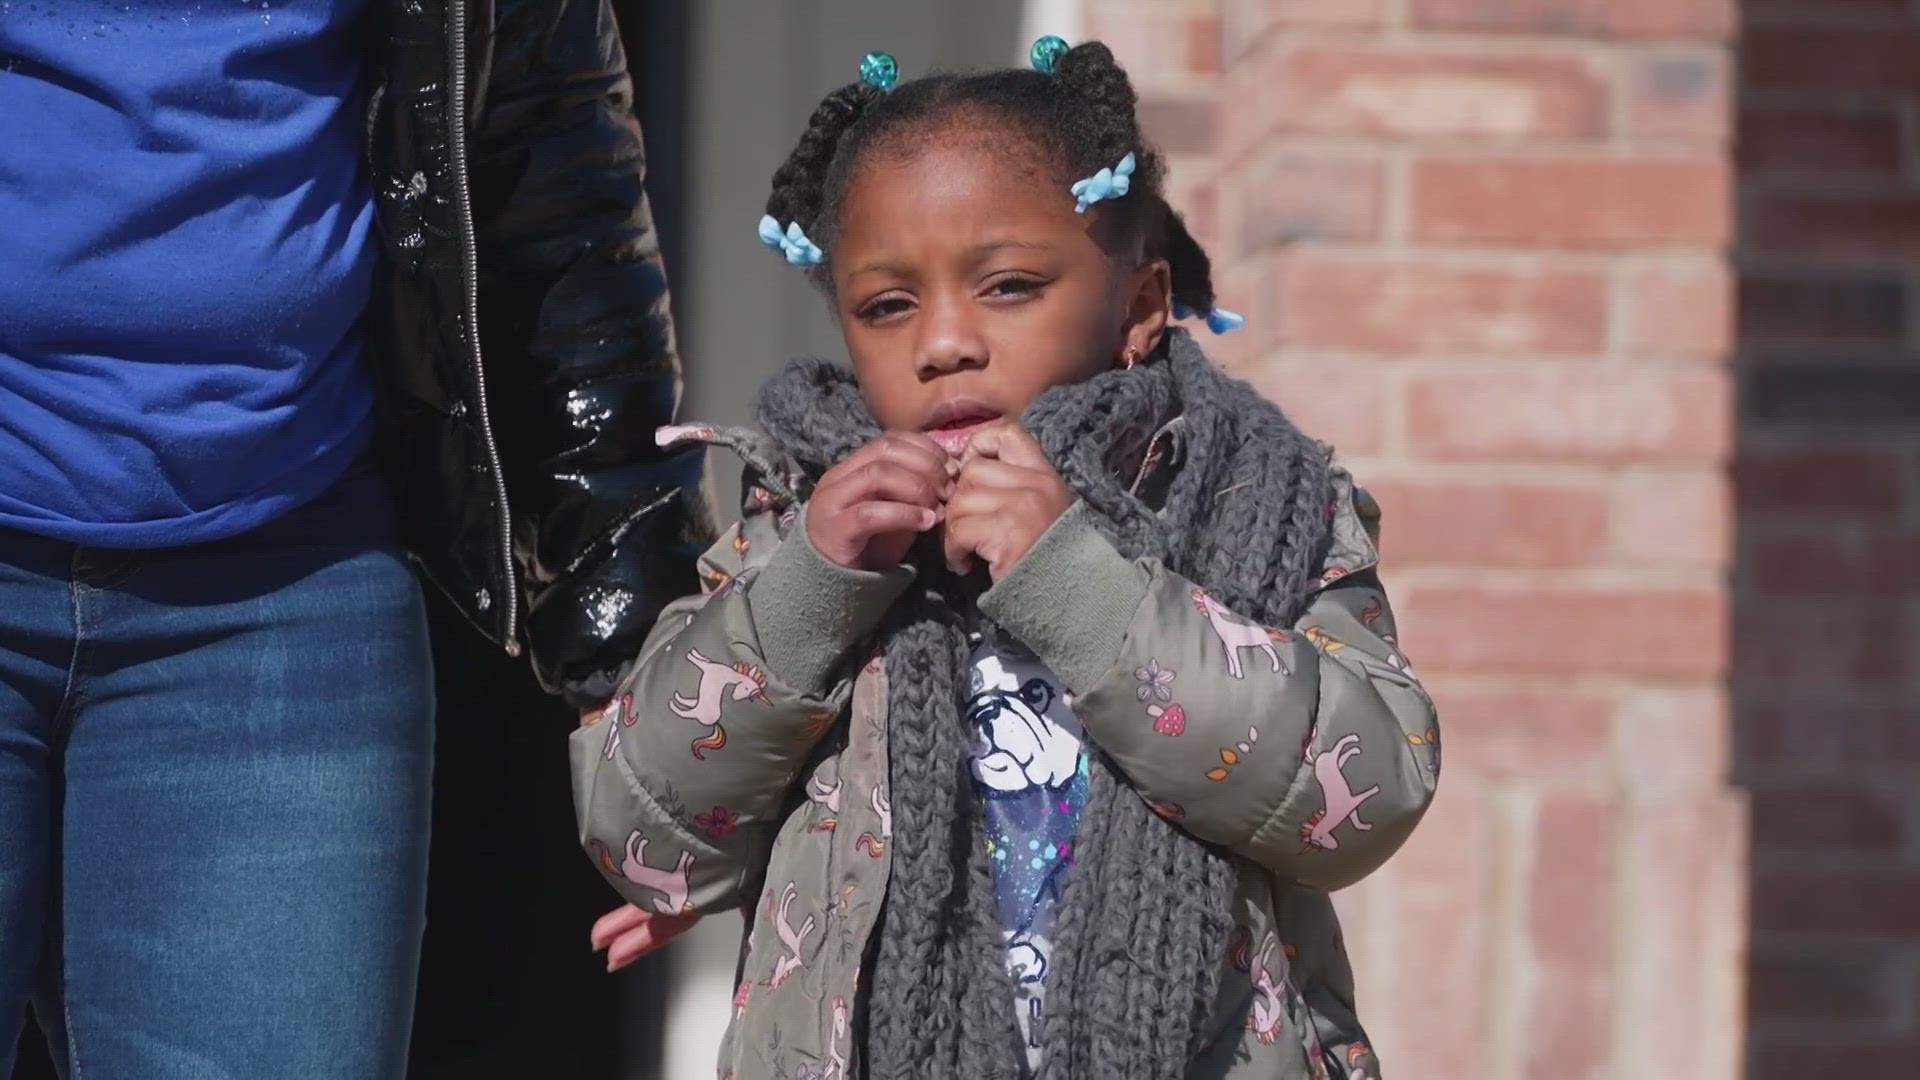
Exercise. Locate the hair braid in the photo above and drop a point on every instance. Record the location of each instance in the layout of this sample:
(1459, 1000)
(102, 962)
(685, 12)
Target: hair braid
(1107, 110)
(1082, 117)
(1191, 269)
(799, 184)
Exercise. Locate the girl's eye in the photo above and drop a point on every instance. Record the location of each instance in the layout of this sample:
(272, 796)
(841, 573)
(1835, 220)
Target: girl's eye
(882, 306)
(1013, 285)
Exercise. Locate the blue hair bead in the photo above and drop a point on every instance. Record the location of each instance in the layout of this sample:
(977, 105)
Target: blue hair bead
(1219, 319)
(791, 242)
(1108, 183)
(1046, 52)
(879, 70)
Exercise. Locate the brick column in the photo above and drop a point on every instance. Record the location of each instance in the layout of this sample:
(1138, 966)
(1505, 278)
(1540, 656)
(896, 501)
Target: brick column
(1827, 623)
(1482, 245)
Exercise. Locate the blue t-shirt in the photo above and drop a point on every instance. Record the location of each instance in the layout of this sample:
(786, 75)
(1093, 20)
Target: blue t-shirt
(185, 259)
(1030, 770)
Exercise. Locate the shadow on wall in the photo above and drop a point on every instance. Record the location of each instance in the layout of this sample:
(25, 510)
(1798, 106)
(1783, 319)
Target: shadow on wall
(1826, 689)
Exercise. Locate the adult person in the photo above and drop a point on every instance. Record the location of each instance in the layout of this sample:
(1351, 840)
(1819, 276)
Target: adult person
(252, 253)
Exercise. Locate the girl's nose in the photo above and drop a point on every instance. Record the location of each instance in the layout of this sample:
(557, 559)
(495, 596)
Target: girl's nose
(949, 342)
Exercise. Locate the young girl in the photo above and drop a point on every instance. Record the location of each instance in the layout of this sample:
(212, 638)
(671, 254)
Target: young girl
(1046, 689)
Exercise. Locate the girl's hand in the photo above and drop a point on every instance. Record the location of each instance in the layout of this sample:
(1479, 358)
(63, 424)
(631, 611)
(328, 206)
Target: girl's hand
(1008, 495)
(866, 511)
(627, 933)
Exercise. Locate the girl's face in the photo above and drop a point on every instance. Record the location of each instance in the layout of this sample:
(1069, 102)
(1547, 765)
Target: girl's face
(965, 285)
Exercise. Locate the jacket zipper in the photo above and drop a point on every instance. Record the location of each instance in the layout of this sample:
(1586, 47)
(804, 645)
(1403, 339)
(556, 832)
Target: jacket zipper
(470, 276)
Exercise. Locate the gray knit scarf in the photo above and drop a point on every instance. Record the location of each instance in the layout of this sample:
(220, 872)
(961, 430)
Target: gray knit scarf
(1143, 922)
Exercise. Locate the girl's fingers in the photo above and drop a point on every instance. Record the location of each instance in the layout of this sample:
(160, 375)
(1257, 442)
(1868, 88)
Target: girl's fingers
(645, 938)
(870, 519)
(910, 450)
(972, 504)
(992, 473)
(610, 926)
(967, 530)
(1009, 442)
(884, 479)
(918, 445)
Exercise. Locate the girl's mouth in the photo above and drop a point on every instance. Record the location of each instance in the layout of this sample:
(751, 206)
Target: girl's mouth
(953, 426)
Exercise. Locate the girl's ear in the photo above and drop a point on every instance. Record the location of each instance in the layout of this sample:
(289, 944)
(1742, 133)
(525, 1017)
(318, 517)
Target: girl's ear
(1149, 307)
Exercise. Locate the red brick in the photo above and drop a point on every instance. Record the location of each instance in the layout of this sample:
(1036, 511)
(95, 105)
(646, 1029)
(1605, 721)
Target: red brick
(1584, 204)
(1163, 46)
(1824, 478)
(1793, 644)
(1677, 415)
(1682, 882)
(1829, 902)
(1808, 56)
(1346, 408)
(1422, 306)
(1699, 20)
(1867, 310)
(1844, 394)
(1569, 926)
(1820, 733)
(1864, 1057)
(1830, 985)
(1673, 517)
(1246, 22)
(1374, 91)
(1897, 10)
(1681, 96)
(1288, 197)
(1675, 741)
(1443, 877)
(1507, 525)
(1830, 818)
(1680, 310)
(1831, 557)
(1836, 225)
(1828, 140)
(1239, 130)
(1177, 125)
(1203, 44)
(1516, 733)
(1569, 631)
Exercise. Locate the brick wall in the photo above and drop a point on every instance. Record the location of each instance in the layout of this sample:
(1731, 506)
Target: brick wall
(1483, 248)
(1827, 595)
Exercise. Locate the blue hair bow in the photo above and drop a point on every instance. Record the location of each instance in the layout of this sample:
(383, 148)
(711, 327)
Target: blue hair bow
(1219, 320)
(1105, 184)
(799, 250)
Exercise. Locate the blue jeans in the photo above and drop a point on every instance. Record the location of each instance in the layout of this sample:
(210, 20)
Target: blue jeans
(215, 770)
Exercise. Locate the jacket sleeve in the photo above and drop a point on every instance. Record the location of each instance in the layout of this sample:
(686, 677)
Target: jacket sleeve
(578, 344)
(680, 788)
(1311, 750)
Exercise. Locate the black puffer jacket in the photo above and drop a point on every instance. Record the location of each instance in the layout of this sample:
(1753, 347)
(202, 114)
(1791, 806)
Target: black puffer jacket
(526, 353)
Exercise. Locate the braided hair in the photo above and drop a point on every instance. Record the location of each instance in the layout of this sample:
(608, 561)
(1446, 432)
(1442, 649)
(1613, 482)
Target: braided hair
(1081, 116)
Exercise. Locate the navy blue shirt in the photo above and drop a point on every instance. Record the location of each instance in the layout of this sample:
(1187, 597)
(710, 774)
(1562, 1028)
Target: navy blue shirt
(185, 260)
(1030, 769)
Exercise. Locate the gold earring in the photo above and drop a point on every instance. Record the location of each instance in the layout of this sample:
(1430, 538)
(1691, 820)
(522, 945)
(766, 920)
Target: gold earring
(1130, 357)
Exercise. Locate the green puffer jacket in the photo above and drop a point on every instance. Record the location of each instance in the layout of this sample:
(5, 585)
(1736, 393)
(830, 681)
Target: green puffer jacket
(744, 763)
